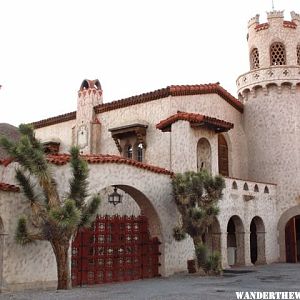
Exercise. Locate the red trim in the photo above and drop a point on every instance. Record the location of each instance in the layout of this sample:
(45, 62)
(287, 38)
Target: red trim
(62, 159)
(193, 118)
(9, 187)
(262, 26)
(289, 24)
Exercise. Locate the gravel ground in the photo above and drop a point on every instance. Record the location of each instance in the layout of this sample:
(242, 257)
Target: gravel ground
(275, 277)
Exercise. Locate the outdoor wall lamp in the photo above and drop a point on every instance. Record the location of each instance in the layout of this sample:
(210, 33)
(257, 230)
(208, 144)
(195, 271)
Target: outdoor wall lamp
(115, 198)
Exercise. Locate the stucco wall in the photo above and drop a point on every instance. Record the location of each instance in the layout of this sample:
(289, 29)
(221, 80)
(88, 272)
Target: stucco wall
(61, 132)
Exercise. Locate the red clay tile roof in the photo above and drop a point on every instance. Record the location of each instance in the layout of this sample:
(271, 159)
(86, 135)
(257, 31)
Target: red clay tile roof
(262, 26)
(195, 119)
(173, 90)
(62, 159)
(8, 187)
(289, 24)
(55, 120)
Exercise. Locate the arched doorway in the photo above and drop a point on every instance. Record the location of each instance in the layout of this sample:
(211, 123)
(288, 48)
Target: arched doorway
(257, 241)
(292, 240)
(203, 155)
(118, 247)
(235, 241)
(288, 235)
(223, 156)
(212, 237)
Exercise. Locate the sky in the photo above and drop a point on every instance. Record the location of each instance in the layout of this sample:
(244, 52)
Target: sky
(135, 46)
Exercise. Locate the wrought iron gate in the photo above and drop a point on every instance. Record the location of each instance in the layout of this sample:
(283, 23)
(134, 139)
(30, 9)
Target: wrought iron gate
(115, 248)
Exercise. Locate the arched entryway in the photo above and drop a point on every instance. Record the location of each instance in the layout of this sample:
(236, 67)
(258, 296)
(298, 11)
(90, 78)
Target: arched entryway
(292, 240)
(257, 241)
(235, 241)
(289, 235)
(223, 156)
(203, 155)
(118, 247)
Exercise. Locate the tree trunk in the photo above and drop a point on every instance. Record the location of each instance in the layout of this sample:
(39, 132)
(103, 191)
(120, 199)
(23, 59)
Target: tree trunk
(62, 262)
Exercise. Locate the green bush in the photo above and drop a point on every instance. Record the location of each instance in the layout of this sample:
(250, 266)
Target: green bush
(178, 233)
(201, 254)
(213, 263)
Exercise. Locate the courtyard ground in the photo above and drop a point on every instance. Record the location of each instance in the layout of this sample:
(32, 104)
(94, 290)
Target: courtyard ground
(275, 277)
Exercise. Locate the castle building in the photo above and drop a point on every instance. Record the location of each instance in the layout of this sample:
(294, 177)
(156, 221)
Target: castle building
(134, 145)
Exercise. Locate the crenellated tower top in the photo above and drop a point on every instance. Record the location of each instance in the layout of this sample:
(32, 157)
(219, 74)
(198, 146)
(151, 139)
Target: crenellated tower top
(274, 52)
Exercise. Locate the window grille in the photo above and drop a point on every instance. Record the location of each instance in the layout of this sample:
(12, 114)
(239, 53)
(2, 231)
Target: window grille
(277, 53)
(254, 59)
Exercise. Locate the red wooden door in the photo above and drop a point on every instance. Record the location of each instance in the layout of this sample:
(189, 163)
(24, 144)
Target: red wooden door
(290, 241)
(114, 249)
(223, 156)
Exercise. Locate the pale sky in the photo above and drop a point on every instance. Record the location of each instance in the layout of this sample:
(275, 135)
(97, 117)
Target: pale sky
(131, 46)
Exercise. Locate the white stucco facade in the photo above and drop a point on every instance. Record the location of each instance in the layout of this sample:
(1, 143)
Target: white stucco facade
(261, 134)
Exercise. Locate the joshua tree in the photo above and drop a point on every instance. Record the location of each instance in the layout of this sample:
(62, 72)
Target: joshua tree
(53, 217)
(196, 196)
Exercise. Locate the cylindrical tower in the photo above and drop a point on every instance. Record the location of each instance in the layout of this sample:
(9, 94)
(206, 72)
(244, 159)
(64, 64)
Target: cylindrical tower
(270, 92)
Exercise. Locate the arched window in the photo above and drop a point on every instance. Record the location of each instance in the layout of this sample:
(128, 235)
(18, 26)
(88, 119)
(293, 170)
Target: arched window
(234, 185)
(298, 54)
(266, 190)
(254, 59)
(223, 156)
(277, 54)
(140, 152)
(128, 151)
(246, 188)
(203, 155)
(256, 189)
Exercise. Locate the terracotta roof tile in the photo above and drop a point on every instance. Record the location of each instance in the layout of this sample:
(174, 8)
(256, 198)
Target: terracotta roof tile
(62, 159)
(195, 119)
(55, 120)
(173, 90)
(289, 24)
(8, 187)
(262, 26)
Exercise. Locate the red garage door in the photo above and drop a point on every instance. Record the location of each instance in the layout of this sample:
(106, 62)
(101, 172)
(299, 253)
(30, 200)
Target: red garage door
(114, 249)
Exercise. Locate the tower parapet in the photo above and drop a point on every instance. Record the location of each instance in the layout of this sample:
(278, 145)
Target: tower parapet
(274, 53)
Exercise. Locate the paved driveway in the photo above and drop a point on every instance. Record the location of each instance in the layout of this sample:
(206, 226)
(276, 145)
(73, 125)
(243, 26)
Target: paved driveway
(275, 277)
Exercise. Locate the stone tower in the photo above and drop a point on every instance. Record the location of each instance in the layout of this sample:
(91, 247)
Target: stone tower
(270, 92)
(86, 133)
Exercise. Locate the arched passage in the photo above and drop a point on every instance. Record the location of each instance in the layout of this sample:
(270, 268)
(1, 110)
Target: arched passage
(289, 235)
(292, 240)
(118, 247)
(257, 241)
(203, 155)
(235, 241)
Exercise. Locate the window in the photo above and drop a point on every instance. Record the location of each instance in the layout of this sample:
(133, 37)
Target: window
(277, 54)
(223, 156)
(129, 151)
(246, 187)
(298, 54)
(254, 59)
(140, 152)
(256, 189)
(234, 186)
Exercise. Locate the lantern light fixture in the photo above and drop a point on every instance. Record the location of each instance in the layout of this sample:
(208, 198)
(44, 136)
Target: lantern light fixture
(115, 198)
